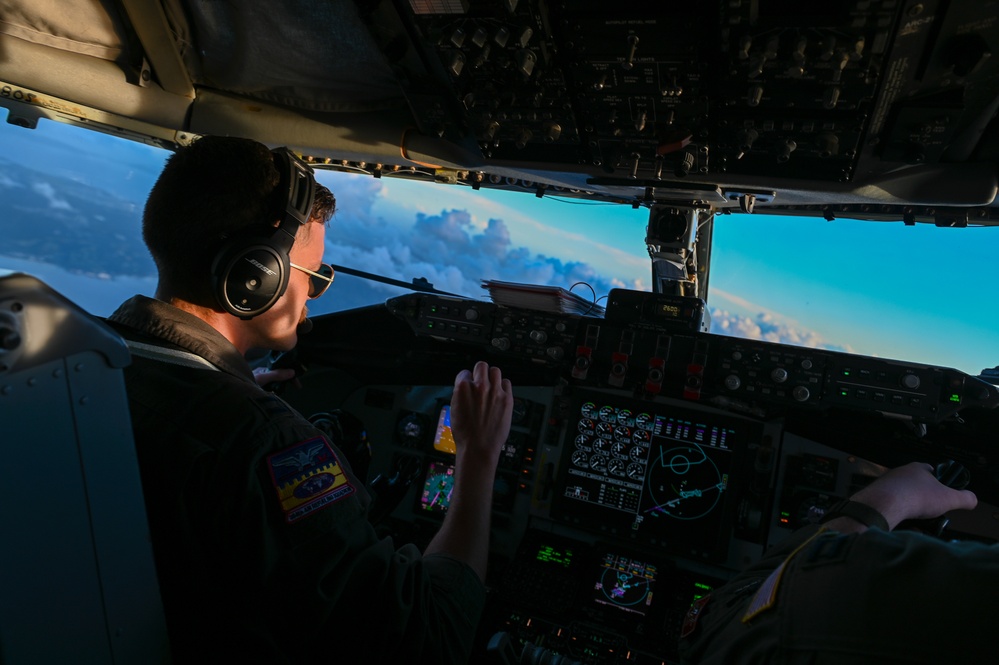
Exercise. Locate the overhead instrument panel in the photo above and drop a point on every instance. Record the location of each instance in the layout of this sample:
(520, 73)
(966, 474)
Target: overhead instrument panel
(750, 91)
(650, 473)
(638, 91)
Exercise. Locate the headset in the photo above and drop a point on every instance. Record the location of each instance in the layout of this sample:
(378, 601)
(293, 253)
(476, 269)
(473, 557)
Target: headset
(250, 271)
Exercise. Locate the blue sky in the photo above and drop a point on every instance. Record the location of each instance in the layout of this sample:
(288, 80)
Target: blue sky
(920, 293)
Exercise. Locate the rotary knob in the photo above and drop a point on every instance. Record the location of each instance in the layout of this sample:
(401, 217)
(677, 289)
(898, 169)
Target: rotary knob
(910, 381)
(733, 382)
(800, 394)
(779, 375)
(501, 343)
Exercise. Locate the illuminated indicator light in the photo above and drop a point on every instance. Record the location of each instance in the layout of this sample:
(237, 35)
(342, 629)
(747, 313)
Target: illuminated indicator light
(955, 398)
(846, 372)
(844, 393)
(430, 324)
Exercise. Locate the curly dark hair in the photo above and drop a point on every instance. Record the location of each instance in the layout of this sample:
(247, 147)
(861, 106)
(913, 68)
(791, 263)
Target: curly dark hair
(209, 190)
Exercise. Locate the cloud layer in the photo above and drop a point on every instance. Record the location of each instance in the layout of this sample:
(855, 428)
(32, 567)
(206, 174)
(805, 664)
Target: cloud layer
(768, 327)
(451, 249)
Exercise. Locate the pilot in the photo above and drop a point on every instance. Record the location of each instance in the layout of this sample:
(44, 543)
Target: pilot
(852, 590)
(262, 546)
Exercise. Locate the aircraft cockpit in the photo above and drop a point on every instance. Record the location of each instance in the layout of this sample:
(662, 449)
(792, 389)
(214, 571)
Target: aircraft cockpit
(655, 450)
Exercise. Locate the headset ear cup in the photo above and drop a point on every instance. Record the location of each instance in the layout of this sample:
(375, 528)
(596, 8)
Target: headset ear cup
(249, 276)
(250, 272)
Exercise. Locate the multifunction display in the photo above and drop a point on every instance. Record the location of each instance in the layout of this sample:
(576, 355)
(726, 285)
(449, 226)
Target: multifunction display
(656, 474)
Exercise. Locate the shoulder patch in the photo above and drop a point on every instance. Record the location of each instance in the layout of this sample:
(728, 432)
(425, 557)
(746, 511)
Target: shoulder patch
(307, 477)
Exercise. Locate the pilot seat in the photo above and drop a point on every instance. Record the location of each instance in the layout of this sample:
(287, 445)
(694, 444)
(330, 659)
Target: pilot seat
(76, 566)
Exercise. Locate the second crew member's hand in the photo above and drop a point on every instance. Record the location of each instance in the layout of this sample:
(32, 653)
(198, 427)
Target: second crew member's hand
(913, 492)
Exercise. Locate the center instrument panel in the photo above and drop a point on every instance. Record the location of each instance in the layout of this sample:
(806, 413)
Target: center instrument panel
(648, 461)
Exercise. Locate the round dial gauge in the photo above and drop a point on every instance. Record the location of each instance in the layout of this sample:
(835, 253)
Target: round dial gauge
(616, 466)
(599, 463)
(602, 446)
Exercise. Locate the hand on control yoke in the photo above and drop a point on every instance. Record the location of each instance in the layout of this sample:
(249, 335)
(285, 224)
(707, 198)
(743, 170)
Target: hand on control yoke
(913, 492)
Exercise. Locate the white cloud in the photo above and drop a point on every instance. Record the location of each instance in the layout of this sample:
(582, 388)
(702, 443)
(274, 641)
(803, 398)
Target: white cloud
(48, 191)
(769, 327)
(7, 181)
(407, 198)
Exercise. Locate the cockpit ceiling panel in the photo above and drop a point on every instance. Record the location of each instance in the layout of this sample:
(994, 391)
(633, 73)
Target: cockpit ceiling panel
(872, 109)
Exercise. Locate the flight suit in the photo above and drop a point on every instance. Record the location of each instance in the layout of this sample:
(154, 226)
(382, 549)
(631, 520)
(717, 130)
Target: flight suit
(263, 548)
(872, 597)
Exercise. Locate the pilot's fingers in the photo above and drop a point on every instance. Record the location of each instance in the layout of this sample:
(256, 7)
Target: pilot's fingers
(481, 372)
(496, 379)
(965, 500)
(463, 376)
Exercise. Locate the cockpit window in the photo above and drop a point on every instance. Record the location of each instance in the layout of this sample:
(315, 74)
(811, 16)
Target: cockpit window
(71, 204)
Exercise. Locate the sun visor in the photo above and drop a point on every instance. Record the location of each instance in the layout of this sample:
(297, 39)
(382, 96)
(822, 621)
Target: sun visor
(87, 27)
(318, 57)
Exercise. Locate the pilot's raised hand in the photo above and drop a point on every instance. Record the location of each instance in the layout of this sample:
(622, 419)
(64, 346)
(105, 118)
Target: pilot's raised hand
(481, 409)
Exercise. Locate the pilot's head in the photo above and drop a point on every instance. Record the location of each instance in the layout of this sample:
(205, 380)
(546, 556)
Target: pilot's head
(221, 193)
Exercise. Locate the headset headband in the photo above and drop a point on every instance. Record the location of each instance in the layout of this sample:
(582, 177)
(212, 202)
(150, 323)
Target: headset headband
(299, 187)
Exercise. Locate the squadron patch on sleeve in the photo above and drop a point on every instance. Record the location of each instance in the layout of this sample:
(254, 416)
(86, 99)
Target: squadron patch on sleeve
(307, 477)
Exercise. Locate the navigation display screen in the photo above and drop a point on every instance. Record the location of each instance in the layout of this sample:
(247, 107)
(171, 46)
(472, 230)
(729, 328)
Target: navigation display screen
(649, 472)
(625, 584)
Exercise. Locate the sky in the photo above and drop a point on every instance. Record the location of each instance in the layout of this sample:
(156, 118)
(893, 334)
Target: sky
(920, 294)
